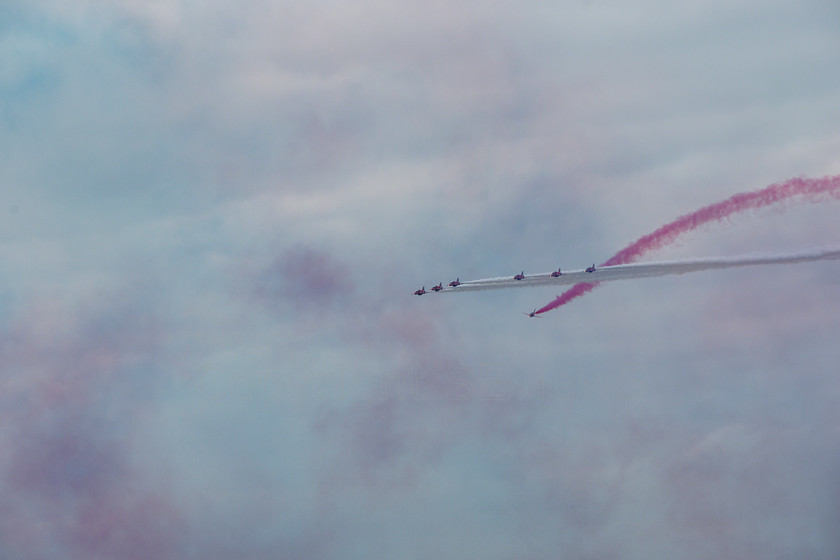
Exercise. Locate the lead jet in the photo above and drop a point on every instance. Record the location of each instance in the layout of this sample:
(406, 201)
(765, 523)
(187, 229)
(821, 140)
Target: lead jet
(520, 276)
(421, 291)
(532, 314)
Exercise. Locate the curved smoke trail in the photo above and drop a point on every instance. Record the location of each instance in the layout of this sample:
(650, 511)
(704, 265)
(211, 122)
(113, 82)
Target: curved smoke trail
(811, 190)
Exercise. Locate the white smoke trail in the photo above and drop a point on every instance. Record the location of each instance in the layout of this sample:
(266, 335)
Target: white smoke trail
(643, 270)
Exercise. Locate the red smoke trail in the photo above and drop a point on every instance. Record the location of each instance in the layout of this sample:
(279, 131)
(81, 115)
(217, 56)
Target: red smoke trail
(811, 190)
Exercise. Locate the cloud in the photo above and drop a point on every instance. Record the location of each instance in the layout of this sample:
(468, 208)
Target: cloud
(210, 345)
(307, 278)
(74, 384)
(731, 493)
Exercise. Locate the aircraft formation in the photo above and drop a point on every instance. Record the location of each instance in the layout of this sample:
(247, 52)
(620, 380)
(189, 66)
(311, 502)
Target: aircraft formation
(610, 272)
(521, 276)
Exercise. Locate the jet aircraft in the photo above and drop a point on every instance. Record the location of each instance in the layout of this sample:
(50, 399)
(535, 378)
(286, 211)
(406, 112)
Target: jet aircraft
(455, 283)
(421, 291)
(532, 314)
(437, 288)
(591, 268)
(520, 276)
(556, 273)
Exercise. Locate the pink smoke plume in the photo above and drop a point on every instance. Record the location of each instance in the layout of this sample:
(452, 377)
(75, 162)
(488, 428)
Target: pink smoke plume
(811, 190)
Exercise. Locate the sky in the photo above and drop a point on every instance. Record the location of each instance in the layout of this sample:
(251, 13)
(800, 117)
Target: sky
(214, 215)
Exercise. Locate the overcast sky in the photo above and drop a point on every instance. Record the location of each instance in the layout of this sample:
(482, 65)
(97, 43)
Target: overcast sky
(214, 215)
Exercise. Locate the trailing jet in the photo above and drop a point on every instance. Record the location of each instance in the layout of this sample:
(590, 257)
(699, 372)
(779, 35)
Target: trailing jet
(421, 291)
(520, 276)
(556, 273)
(591, 268)
(437, 288)
(455, 283)
(532, 314)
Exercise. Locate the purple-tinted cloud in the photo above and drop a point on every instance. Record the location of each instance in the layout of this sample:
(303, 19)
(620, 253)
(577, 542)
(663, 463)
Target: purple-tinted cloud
(327, 412)
(740, 492)
(388, 431)
(303, 277)
(74, 385)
